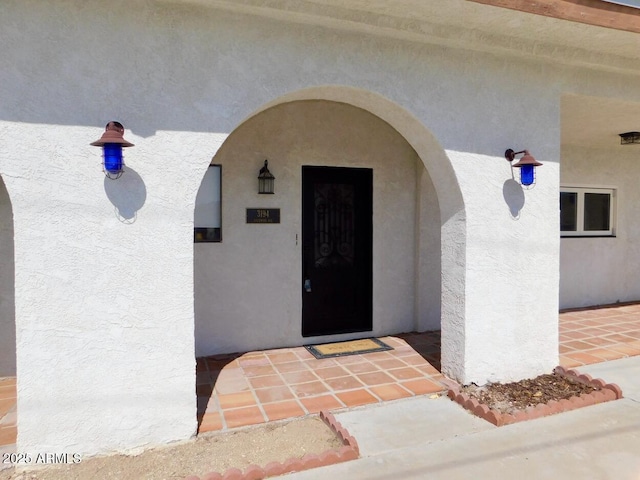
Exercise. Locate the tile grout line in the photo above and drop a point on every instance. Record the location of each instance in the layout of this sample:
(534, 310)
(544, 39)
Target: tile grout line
(330, 389)
(286, 383)
(223, 420)
(255, 395)
(334, 393)
(221, 409)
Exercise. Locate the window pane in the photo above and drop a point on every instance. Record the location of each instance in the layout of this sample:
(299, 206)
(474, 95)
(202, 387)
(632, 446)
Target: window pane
(596, 211)
(207, 216)
(568, 211)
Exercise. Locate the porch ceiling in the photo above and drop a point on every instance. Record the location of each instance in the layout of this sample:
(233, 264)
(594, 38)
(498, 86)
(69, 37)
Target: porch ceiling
(464, 24)
(596, 122)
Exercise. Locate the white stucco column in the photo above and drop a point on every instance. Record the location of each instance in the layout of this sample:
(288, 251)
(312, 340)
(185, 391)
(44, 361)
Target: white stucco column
(510, 327)
(104, 289)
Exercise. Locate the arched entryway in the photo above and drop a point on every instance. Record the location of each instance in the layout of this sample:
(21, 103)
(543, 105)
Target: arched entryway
(249, 285)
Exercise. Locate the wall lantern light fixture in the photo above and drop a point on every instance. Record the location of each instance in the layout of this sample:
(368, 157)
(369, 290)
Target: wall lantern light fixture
(265, 179)
(112, 141)
(527, 166)
(630, 138)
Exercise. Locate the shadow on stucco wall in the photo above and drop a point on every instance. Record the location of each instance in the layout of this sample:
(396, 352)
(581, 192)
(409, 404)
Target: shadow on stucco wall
(127, 194)
(513, 196)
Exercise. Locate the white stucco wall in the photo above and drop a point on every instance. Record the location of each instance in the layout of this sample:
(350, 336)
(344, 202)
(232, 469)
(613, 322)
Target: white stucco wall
(7, 303)
(104, 283)
(596, 271)
(248, 287)
(104, 337)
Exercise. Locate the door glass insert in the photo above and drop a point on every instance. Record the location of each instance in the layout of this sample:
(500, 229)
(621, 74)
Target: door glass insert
(334, 225)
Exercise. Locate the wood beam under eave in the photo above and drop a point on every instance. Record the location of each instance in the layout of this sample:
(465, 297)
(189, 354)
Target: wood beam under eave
(590, 12)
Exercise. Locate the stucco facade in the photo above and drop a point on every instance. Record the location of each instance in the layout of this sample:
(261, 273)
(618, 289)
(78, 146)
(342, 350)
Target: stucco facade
(112, 299)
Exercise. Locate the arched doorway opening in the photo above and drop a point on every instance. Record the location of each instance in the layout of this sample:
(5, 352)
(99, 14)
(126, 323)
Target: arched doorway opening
(248, 287)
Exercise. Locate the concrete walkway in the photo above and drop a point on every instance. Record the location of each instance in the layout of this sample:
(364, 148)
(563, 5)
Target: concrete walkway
(426, 437)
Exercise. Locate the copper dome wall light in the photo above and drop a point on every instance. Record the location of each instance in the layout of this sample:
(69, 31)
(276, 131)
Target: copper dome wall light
(112, 142)
(527, 165)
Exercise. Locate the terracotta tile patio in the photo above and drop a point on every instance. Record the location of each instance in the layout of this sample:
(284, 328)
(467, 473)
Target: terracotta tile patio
(594, 335)
(257, 387)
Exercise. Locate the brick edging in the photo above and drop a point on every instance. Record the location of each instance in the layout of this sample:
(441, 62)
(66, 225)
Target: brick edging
(349, 451)
(605, 393)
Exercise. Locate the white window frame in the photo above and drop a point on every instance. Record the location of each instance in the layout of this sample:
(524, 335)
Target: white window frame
(580, 231)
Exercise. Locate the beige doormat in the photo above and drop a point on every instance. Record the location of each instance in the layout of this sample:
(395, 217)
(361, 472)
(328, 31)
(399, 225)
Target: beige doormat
(351, 347)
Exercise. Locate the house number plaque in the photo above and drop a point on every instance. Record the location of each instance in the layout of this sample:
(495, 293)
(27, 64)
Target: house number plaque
(263, 215)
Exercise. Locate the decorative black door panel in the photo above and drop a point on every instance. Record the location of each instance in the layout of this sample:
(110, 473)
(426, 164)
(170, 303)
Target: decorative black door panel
(336, 250)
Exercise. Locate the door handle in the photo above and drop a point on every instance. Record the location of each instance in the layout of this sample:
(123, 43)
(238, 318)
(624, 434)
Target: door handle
(307, 285)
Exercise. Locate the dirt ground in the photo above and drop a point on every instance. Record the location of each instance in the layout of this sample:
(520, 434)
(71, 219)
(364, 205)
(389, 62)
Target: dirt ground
(509, 397)
(216, 452)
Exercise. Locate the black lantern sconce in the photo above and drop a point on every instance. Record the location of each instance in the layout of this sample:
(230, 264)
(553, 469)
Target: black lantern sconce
(265, 179)
(629, 138)
(527, 166)
(112, 142)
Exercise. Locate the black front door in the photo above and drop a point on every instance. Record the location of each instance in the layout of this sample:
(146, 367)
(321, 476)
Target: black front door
(336, 250)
